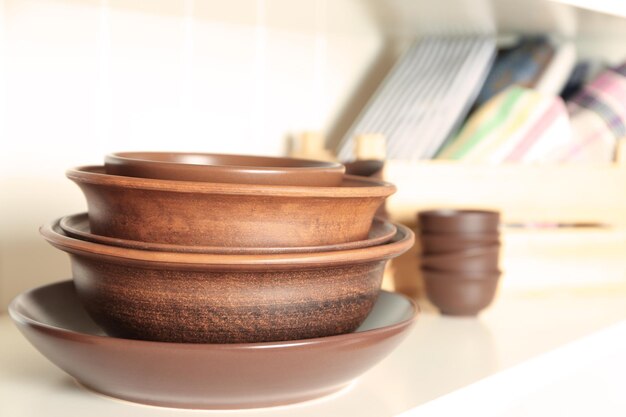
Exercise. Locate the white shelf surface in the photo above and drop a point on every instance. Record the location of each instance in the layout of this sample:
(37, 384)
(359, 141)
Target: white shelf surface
(444, 362)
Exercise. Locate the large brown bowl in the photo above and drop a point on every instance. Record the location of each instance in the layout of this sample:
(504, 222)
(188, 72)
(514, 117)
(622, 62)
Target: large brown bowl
(434, 244)
(459, 297)
(458, 221)
(471, 260)
(77, 226)
(205, 375)
(216, 298)
(236, 215)
(237, 169)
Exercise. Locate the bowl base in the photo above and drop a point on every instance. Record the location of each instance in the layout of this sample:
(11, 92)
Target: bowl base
(216, 404)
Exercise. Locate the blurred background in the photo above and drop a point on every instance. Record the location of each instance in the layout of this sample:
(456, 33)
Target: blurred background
(82, 78)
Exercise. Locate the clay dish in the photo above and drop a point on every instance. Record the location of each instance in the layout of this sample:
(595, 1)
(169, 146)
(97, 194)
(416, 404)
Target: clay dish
(77, 226)
(365, 167)
(205, 375)
(468, 275)
(459, 221)
(459, 297)
(433, 244)
(471, 260)
(237, 169)
(235, 215)
(226, 298)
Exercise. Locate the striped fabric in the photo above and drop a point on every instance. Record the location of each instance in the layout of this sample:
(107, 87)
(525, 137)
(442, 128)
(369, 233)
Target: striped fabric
(598, 115)
(425, 97)
(517, 125)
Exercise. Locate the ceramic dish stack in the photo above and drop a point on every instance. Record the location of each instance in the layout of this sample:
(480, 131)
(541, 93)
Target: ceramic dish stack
(460, 254)
(214, 272)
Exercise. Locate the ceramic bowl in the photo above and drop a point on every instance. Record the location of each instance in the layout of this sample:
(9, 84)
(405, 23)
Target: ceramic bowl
(457, 296)
(433, 244)
(458, 221)
(77, 226)
(205, 375)
(471, 260)
(235, 215)
(237, 169)
(223, 298)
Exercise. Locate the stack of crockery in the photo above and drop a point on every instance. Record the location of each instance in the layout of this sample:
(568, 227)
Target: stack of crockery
(460, 250)
(223, 255)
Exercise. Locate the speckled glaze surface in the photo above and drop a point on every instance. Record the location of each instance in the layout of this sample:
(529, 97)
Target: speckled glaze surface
(204, 375)
(237, 169)
(458, 221)
(236, 215)
(199, 298)
(458, 296)
(77, 226)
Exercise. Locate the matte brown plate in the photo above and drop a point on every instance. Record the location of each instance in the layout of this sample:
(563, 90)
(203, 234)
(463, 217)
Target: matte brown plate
(470, 260)
(439, 244)
(238, 169)
(235, 215)
(460, 296)
(459, 221)
(226, 298)
(204, 375)
(77, 226)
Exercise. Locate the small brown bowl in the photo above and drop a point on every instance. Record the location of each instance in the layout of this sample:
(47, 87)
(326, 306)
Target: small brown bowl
(237, 169)
(471, 260)
(205, 376)
(77, 226)
(433, 244)
(235, 215)
(217, 298)
(458, 221)
(458, 296)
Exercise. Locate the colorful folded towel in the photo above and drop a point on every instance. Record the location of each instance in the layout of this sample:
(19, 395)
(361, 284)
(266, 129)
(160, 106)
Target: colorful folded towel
(598, 116)
(517, 125)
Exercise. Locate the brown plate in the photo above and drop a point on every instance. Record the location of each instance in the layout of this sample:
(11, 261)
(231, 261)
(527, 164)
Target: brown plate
(226, 298)
(77, 226)
(238, 169)
(434, 244)
(458, 296)
(470, 260)
(459, 221)
(204, 375)
(236, 215)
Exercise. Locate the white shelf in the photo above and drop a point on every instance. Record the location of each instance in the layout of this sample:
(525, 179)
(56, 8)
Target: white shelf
(441, 356)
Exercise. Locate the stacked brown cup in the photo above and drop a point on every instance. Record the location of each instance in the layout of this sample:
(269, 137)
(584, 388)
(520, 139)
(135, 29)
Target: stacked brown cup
(206, 248)
(460, 250)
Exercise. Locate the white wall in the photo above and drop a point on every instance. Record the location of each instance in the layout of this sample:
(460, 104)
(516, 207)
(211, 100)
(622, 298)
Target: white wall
(81, 78)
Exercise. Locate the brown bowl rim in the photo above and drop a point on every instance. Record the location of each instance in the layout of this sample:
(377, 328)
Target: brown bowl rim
(402, 241)
(352, 186)
(462, 275)
(123, 158)
(467, 253)
(68, 224)
(65, 333)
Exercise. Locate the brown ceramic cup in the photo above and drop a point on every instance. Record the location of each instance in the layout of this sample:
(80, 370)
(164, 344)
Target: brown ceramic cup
(217, 298)
(77, 226)
(471, 260)
(237, 169)
(205, 376)
(459, 221)
(457, 296)
(234, 215)
(433, 244)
